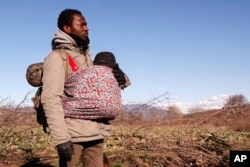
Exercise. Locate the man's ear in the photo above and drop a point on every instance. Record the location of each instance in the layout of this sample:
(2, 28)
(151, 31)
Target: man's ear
(67, 29)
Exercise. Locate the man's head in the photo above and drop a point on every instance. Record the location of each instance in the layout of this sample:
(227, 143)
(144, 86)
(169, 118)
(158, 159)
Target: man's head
(105, 59)
(73, 22)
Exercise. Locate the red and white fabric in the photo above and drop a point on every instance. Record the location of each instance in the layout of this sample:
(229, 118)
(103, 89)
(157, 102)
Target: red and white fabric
(92, 93)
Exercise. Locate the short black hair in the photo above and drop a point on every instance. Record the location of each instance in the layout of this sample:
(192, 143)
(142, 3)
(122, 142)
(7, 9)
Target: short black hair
(66, 17)
(105, 59)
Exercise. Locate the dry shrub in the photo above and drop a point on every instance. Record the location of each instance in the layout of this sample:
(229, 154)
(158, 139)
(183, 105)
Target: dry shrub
(22, 140)
(162, 146)
(240, 125)
(179, 140)
(236, 100)
(174, 112)
(126, 117)
(197, 139)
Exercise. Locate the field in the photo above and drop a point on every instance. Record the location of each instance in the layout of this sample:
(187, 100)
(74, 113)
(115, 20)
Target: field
(199, 139)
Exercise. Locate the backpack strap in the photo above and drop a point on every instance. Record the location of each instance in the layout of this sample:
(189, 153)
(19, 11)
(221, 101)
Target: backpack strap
(65, 60)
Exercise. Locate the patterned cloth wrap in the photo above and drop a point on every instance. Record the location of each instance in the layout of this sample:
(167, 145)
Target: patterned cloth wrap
(92, 93)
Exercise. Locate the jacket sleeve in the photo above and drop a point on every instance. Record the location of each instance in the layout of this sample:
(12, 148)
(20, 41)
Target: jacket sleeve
(127, 82)
(53, 86)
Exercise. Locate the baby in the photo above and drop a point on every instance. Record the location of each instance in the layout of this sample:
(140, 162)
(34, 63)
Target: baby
(93, 92)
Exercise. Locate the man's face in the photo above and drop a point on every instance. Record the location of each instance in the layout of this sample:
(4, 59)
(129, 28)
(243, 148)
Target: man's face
(79, 27)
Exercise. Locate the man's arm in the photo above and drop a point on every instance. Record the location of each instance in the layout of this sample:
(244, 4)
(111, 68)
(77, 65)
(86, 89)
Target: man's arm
(53, 86)
(121, 77)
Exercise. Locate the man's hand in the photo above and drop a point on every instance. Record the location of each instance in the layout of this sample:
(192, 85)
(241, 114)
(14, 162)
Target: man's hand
(119, 75)
(65, 150)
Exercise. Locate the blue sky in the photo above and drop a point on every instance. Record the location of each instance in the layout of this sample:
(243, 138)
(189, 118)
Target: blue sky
(197, 50)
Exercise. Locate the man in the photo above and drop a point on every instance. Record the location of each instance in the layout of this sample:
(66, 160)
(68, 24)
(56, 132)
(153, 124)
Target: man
(72, 137)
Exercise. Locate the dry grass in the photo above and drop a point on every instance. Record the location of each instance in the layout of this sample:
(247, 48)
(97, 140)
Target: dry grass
(161, 146)
(199, 139)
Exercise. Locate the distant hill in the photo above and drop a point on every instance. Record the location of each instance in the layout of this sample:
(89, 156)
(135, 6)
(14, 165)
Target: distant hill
(147, 111)
(140, 107)
(233, 118)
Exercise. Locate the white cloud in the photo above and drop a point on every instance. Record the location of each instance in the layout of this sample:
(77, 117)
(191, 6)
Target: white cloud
(215, 102)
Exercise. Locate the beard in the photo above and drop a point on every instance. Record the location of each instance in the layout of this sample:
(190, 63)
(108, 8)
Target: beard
(81, 42)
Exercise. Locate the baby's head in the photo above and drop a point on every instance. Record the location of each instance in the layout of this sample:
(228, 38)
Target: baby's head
(105, 59)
